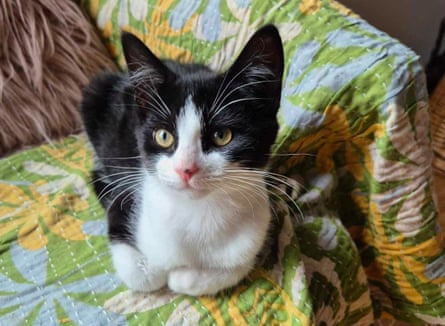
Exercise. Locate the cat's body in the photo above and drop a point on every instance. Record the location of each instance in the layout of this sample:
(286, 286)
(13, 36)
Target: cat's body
(179, 168)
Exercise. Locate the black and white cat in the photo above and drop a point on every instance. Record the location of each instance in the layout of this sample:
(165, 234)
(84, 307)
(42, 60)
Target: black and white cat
(180, 164)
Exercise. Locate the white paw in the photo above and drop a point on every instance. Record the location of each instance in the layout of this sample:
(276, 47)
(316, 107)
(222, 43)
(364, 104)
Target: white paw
(133, 269)
(188, 281)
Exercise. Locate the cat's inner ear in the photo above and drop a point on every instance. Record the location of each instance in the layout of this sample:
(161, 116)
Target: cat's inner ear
(142, 64)
(261, 59)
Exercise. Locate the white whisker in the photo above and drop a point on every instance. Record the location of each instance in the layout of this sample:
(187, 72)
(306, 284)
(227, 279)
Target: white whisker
(123, 167)
(290, 182)
(244, 195)
(115, 184)
(217, 109)
(247, 179)
(110, 175)
(119, 158)
(129, 185)
(135, 188)
(295, 154)
(218, 94)
(160, 106)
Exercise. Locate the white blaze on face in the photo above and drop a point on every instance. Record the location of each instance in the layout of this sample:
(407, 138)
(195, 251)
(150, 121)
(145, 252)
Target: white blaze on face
(188, 155)
(182, 168)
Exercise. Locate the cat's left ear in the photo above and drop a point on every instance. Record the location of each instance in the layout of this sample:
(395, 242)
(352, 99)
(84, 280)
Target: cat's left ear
(261, 59)
(141, 62)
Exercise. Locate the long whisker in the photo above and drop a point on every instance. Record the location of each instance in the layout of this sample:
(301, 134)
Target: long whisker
(161, 107)
(247, 179)
(218, 94)
(129, 185)
(140, 77)
(135, 188)
(164, 105)
(290, 182)
(295, 154)
(113, 185)
(258, 190)
(238, 88)
(153, 106)
(230, 188)
(122, 167)
(290, 198)
(110, 175)
(245, 186)
(219, 110)
(244, 195)
(119, 158)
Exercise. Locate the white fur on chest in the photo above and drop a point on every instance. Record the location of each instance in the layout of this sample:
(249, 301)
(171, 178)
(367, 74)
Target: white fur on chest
(221, 230)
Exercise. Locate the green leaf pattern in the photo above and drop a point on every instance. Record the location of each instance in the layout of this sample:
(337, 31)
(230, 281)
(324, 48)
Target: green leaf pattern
(354, 132)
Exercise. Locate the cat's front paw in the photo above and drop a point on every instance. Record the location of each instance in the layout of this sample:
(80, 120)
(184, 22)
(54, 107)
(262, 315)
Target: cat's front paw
(197, 282)
(133, 269)
(189, 281)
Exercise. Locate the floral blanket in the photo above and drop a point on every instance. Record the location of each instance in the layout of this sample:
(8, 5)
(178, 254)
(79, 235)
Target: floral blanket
(363, 244)
(56, 265)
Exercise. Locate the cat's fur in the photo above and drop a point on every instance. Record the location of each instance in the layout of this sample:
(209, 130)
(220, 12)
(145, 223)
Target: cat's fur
(193, 216)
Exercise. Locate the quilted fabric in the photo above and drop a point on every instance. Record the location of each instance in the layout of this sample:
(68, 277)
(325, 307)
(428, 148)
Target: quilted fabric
(56, 268)
(354, 131)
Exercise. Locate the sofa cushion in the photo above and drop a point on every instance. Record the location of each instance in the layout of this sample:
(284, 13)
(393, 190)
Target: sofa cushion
(50, 50)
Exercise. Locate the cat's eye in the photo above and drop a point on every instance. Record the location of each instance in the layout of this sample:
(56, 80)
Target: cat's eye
(164, 138)
(222, 137)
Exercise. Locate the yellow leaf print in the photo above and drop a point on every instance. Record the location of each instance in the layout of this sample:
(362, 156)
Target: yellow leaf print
(124, 8)
(344, 10)
(154, 35)
(393, 252)
(33, 214)
(75, 155)
(410, 292)
(213, 308)
(334, 134)
(272, 299)
(156, 32)
(310, 7)
(285, 304)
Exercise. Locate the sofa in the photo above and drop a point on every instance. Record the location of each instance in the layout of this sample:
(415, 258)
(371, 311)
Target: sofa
(364, 245)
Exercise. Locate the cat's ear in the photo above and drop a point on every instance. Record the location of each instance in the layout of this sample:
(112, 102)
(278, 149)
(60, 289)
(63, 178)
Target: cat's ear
(261, 59)
(141, 62)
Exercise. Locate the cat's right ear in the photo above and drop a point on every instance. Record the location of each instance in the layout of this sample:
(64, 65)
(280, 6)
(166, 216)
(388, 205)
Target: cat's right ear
(141, 62)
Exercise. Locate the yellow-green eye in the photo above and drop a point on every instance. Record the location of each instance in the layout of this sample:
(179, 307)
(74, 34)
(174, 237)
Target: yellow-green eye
(222, 137)
(164, 138)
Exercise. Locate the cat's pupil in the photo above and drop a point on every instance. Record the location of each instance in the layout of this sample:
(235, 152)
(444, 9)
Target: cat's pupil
(219, 134)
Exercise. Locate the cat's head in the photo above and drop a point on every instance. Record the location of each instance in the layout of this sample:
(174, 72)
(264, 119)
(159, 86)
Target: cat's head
(197, 125)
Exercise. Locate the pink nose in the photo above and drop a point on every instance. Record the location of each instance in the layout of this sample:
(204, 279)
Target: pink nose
(187, 173)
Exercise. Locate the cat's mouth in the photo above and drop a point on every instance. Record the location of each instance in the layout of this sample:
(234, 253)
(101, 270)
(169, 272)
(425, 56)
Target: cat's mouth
(196, 187)
(176, 183)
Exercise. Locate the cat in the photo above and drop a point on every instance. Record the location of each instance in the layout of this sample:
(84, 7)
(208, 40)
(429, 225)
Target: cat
(180, 162)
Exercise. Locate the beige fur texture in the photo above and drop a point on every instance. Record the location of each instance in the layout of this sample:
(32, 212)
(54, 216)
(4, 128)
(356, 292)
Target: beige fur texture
(48, 52)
